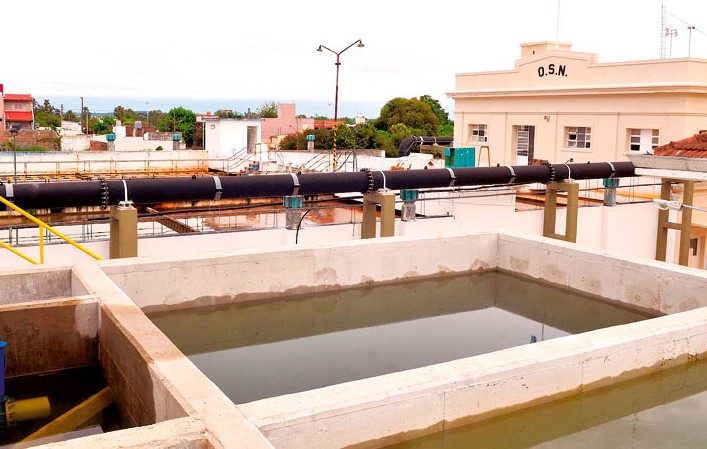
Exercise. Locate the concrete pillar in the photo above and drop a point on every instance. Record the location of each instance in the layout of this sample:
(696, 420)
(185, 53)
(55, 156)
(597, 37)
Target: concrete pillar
(370, 202)
(123, 231)
(550, 218)
(684, 226)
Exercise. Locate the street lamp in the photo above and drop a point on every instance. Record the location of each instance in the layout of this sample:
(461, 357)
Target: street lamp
(14, 130)
(336, 96)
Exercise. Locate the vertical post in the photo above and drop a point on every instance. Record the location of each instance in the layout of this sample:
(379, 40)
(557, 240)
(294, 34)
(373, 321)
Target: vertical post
(550, 217)
(293, 210)
(370, 202)
(688, 194)
(408, 210)
(336, 113)
(123, 231)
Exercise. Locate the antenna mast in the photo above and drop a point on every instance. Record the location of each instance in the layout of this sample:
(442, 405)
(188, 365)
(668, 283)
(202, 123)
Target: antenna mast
(663, 30)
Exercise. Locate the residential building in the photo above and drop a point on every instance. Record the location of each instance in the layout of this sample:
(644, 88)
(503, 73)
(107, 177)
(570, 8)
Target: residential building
(286, 122)
(558, 104)
(17, 110)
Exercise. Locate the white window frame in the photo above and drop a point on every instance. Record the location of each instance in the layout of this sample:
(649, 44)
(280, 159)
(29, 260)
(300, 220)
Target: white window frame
(634, 138)
(478, 132)
(578, 137)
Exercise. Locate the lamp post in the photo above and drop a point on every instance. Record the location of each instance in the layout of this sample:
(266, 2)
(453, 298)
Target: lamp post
(14, 130)
(336, 96)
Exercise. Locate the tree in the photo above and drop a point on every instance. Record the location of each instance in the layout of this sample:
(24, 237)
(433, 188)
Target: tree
(228, 113)
(345, 138)
(70, 116)
(441, 114)
(181, 120)
(269, 109)
(413, 113)
(119, 112)
(46, 115)
(365, 136)
(103, 125)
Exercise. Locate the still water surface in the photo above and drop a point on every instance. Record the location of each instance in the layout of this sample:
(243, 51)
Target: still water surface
(280, 346)
(661, 411)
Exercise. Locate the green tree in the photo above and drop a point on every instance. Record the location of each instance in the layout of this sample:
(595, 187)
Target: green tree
(365, 136)
(385, 143)
(70, 116)
(345, 138)
(102, 125)
(46, 115)
(119, 113)
(46, 119)
(181, 120)
(413, 113)
(228, 113)
(398, 132)
(269, 109)
(437, 108)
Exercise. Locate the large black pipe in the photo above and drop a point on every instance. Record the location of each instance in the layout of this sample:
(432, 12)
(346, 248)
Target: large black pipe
(158, 190)
(407, 143)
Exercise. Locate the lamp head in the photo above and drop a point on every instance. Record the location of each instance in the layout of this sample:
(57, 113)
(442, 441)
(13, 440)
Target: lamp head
(360, 44)
(319, 49)
(14, 129)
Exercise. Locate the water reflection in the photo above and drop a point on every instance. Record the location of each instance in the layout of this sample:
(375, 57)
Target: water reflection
(257, 350)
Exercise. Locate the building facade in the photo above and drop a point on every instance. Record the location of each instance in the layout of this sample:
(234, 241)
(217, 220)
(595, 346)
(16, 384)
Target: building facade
(17, 110)
(559, 104)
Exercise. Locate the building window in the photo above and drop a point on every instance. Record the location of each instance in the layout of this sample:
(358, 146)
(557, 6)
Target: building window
(478, 133)
(643, 140)
(17, 106)
(578, 137)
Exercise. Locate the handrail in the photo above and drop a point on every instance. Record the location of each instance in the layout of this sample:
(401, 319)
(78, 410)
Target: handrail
(42, 225)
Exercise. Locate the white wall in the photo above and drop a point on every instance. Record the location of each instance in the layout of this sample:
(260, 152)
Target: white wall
(85, 161)
(223, 137)
(136, 143)
(80, 142)
(628, 229)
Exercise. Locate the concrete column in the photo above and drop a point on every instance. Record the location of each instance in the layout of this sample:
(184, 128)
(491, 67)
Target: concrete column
(123, 231)
(370, 202)
(550, 218)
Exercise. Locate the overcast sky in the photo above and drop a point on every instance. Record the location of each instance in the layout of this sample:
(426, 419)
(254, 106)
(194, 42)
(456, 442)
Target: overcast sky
(266, 49)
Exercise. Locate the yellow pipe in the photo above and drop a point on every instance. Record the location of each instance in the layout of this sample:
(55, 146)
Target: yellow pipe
(41, 245)
(41, 224)
(27, 409)
(27, 258)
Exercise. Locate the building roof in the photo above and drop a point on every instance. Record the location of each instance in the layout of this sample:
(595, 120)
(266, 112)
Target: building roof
(691, 147)
(17, 97)
(18, 116)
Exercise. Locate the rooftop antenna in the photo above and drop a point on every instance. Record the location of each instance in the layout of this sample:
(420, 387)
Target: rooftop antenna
(663, 29)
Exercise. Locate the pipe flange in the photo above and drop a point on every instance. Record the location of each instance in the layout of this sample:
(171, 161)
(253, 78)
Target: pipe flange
(369, 178)
(104, 193)
(552, 172)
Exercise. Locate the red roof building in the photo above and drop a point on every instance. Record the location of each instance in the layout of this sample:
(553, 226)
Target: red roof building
(17, 110)
(692, 147)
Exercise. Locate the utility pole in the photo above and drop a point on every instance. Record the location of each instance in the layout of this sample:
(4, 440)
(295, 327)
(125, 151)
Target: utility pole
(82, 115)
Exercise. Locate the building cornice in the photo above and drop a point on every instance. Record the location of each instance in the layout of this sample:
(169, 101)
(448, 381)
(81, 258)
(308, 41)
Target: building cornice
(656, 88)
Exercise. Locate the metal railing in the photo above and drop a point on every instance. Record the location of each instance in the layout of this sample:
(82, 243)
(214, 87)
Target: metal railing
(42, 226)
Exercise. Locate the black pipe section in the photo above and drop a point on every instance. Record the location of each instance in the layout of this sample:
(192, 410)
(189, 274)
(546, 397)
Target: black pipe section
(408, 142)
(143, 191)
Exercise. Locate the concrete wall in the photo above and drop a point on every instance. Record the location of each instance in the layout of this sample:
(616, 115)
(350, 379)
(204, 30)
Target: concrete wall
(75, 143)
(86, 162)
(396, 406)
(136, 144)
